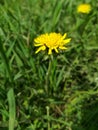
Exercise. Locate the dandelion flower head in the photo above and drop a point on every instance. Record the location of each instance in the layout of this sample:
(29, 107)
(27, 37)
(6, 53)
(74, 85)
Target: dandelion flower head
(84, 8)
(51, 41)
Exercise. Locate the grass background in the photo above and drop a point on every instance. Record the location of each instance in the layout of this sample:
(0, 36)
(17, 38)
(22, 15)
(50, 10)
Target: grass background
(71, 99)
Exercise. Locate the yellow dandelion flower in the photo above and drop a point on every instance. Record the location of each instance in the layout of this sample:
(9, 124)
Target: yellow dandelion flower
(84, 8)
(52, 41)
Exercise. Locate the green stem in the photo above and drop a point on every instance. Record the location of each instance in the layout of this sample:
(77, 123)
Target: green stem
(47, 107)
(48, 73)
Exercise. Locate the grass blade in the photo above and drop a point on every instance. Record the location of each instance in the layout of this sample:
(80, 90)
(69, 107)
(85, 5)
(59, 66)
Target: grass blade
(12, 111)
(6, 63)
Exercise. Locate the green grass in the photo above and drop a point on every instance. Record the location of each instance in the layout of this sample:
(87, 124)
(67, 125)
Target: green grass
(69, 99)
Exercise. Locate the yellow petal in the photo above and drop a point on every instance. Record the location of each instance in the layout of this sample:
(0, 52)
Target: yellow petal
(50, 52)
(36, 40)
(62, 47)
(38, 44)
(56, 50)
(42, 48)
(67, 40)
(63, 37)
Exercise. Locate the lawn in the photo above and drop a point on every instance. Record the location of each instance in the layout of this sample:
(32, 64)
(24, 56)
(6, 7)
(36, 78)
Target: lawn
(54, 89)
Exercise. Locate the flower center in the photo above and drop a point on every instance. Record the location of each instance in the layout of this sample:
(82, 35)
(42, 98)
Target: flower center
(52, 40)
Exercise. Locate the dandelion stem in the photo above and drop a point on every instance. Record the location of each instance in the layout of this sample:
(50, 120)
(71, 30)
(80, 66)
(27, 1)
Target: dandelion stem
(48, 73)
(47, 107)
